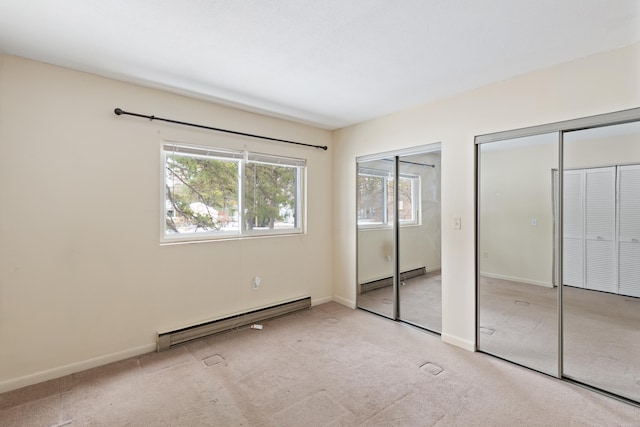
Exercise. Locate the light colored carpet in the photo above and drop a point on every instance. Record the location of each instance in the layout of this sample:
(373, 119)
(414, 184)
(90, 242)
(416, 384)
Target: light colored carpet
(329, 365)
(420, 301)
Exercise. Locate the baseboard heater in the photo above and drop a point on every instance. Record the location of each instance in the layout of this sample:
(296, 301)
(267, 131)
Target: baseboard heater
(167, 340)
(388, 281)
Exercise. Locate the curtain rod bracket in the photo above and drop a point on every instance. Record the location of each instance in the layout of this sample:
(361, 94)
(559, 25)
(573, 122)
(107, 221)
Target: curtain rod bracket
(120, 111)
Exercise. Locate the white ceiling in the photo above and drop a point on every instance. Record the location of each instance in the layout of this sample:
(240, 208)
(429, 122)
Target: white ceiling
(330, 63)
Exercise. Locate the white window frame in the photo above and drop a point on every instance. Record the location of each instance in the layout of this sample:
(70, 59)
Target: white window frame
(169, 148)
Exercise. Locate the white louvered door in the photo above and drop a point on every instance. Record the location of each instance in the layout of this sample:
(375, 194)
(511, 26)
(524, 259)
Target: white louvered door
(629, 230)
(600, 229)
(573, 228)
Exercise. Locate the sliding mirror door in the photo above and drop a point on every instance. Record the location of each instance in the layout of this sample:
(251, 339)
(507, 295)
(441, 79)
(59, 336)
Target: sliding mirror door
(375, 204)
(518, 302)
(398, 242)
(569, 221)
(420, 289)
(601, 296)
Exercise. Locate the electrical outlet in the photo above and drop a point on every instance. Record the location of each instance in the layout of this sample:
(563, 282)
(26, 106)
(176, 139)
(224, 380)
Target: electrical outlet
(256, 283)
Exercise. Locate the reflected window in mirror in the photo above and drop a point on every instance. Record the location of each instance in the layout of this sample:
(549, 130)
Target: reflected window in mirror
(376, 202)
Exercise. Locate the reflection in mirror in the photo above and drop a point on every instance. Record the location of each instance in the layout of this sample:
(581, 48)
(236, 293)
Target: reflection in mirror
(601, 266)
(516, 285)
(420, 290)
(416, 297)
(375, 244)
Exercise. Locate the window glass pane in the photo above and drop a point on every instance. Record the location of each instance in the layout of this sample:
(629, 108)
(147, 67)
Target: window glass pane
(270, 197)
(371, 205)
(390, 200)
(203, 185)
(375, 198)
(201, 195)
(405, 200)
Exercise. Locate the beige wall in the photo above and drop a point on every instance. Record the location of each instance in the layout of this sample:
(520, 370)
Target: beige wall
(83, 277)
(597, 84)
(593, 153)
(516, 193)
(510, 246)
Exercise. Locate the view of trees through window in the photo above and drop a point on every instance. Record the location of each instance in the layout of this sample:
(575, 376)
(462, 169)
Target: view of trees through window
(202, 194)
(371, 199)
(376, 198)
(405, 199)
(269, 194)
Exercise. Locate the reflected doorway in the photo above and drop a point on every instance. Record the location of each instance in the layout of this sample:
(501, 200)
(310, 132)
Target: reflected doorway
(398, 242)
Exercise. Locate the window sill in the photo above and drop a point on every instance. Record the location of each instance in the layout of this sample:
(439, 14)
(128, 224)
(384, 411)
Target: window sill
(235, 237)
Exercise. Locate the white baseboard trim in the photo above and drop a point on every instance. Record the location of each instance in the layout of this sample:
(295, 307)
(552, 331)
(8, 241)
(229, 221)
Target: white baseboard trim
(458, 342)
(72, 368)
(318, 301)
(517, 279)
(432, 269)
(344, 301)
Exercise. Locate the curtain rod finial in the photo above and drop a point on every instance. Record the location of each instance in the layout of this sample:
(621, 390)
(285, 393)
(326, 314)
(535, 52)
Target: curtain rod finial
(118, 111)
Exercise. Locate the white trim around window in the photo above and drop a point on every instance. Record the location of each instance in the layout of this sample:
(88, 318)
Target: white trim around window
(212, 194)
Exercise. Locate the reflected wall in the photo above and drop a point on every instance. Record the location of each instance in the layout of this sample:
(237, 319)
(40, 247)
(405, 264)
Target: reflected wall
(517, 299)
(399, 236)
(420, 287)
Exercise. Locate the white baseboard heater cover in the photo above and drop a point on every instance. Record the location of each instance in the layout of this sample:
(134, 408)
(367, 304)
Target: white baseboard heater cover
(167, 340)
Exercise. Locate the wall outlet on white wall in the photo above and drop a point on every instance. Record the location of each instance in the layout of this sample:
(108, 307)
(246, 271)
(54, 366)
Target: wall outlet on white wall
(256, 283)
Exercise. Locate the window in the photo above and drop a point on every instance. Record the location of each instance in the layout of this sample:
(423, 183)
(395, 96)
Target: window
(214, 193)
(372, 193)
(375, 198)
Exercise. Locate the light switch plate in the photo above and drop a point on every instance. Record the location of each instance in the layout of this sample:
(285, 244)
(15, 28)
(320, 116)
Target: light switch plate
(457, 223)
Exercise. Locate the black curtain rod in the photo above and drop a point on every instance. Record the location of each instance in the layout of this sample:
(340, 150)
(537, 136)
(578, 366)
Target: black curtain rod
(120, 111)
(413, 163)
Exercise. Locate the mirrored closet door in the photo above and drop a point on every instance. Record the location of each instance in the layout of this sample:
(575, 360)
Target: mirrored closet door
(558, 250)
(375, 204)
(601, 299)
(518, 302)
(398, 209)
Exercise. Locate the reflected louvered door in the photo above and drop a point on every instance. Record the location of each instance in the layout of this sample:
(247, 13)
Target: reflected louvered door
(600, 229)
(573, 228)
(629, 230)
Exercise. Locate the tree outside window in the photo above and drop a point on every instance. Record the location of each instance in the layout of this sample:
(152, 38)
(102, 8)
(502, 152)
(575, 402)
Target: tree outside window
(202, 193)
